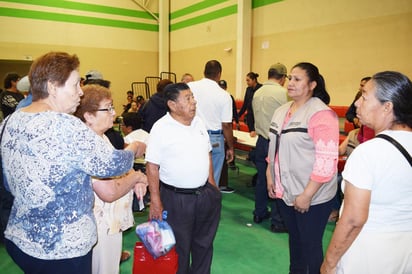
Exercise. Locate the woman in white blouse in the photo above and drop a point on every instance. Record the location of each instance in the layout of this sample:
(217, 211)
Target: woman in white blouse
(113, 217)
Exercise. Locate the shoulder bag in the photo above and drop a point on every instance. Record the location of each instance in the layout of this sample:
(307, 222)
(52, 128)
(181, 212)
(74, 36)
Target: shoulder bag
(397, 145)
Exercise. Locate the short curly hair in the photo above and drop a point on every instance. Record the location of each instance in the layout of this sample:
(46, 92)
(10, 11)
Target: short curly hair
(93, 95)
(55, 67)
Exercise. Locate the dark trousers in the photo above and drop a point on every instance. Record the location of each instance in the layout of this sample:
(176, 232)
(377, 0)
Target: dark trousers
(4, 218)
(194, 219)
(339, 194)
(261, 192)
(305, 236)
(31, 265)
(6, 203)
(224, 176)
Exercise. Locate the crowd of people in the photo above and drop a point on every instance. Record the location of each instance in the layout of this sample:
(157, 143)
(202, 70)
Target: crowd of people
(71, 180)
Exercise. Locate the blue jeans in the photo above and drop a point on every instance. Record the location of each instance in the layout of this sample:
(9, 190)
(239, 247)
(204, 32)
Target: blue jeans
(261, 191)
(218, 154)
(305, 236)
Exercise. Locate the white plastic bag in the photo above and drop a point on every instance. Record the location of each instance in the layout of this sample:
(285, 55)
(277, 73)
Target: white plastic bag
(157, 236)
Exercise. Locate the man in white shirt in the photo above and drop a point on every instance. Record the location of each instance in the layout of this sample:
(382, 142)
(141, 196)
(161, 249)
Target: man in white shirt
(180, 175)
(214, 107)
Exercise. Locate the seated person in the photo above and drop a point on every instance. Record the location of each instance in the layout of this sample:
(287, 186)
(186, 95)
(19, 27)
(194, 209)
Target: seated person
(134, 107)
(131, 128)
(351, 112)
(128, 105)
(351, 141)
(140, 101)
(354, 138)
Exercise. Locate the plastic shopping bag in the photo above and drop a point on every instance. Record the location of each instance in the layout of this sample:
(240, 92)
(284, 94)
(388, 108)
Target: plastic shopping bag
(157, 236)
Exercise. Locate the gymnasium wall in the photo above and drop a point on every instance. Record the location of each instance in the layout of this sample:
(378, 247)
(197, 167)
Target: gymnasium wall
(347, 40)
(117, 38)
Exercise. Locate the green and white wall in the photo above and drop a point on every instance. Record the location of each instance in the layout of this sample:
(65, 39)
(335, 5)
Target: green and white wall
(120, 41)
(345, 39)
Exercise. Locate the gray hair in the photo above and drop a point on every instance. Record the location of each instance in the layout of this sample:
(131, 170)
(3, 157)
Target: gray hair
(395, 87)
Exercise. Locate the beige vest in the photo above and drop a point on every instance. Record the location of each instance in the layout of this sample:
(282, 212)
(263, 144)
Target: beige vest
(296, 151)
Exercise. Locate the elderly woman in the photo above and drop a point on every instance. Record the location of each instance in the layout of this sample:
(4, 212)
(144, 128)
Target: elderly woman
(303, 153)
(48, 158)
(96, 110)
(374, 232)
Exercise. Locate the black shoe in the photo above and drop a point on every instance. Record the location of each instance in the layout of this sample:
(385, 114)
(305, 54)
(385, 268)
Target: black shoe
(278, 229)
(257, 219)
(226, 189)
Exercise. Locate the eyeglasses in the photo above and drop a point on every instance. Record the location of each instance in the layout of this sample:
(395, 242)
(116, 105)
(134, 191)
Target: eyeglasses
(109, 109)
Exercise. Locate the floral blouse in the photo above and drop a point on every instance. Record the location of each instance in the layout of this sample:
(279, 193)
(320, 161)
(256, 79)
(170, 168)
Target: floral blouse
(48, 160)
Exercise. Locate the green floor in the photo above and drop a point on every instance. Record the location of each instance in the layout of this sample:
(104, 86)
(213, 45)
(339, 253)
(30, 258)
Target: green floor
(238, 248)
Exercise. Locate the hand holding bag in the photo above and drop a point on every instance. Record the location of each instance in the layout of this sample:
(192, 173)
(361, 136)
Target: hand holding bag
(157, 236)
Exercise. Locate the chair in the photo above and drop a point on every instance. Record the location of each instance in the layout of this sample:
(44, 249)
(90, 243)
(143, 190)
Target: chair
(152, 81)
(141, 88)
(168, 75)
(348, 126)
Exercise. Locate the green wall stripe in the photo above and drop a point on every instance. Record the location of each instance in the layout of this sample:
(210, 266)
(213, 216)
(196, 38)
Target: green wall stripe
(68, 18)
(261, 3)
(210, 3)
(31, 14)
(205, 17)
(212, 15)
(196, 7)
(84, 7)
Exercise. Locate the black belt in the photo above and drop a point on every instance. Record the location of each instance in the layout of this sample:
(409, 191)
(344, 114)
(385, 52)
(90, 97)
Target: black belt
(195, 191)
(217, 132)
